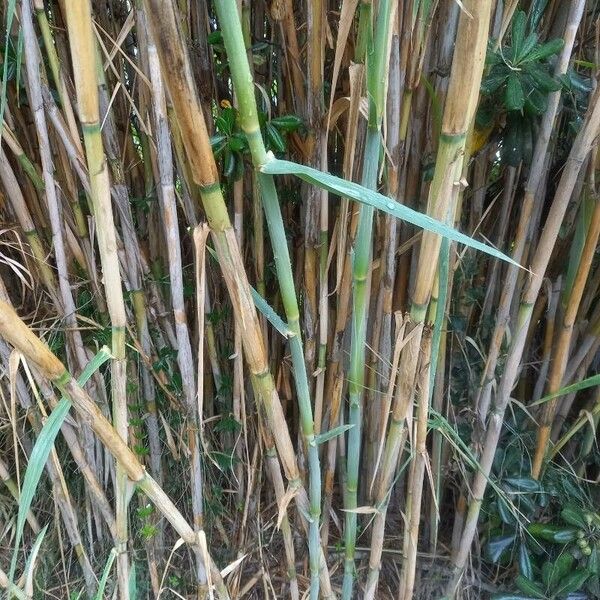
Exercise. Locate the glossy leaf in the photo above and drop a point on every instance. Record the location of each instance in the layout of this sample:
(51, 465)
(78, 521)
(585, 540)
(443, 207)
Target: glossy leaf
(494, 80)
(511, 144)
(536, 12)
(543, 81)
(561, 567)
(529, 587)
(218, 143)
(552, 533)
(523, 484)
(542, 51)
(505, 511)
(573, 516)
(525, 567)
(572, 582)
(528, 45)
(498, 545)
(593, 564)
(276, 141)
(517, 40)
(287, 123)
(536, 103)
(514, 97)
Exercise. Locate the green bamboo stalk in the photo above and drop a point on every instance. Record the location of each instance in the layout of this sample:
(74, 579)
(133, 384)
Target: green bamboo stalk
(377, 62)
(176, 70)
(242, 81)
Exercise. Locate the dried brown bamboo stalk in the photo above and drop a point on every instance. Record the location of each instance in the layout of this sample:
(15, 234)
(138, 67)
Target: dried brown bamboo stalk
(394, 445)
(16, 333)
(83, 56)
(579, 152)
(562, 343)
(178, 78)
(184, 345)
(534, 181)
(465, 80)
(417, 472)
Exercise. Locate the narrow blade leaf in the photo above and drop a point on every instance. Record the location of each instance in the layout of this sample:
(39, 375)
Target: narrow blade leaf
(349, 189)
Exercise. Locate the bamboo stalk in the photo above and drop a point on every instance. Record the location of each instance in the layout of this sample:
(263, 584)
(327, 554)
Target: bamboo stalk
(172, 55)
(579, 152)
(15, 332)
(417, 473)
(394, 443)
(377, 63)
(81, 41)
(534, 181)
(465, 80)
(184, 346)
(241, 76)
(562, 343)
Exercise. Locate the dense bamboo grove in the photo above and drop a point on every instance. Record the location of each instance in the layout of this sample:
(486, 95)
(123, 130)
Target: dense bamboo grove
(299, 299)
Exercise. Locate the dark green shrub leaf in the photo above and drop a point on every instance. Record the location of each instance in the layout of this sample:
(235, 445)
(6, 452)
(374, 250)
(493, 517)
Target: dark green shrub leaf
(543, 81)
(237, 142)
(229, 164)
(218, 143)
(215, 37)
(528, 46)
(593, 565)
(572, 582)
(275, 139)
(514, 97)
(529, 587)
(526, 141)
(536, 103)
(561, 567)
(505, 512)
(552, 533)
(227, 119)
(523, 484)
(536, 12)
(547, 569)
(288, 122)
(511, 144)
(517, 34)
(525, 561)
(497, 545)
(546, 50)
(573, 516)
(494, 80)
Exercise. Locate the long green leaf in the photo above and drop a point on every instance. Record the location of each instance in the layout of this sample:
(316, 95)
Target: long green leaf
(264, 307)
(267, 310)
(105, 574)
(10, 13)
(569, 389)
(30, 565)
(41, 450)
(349, 189)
